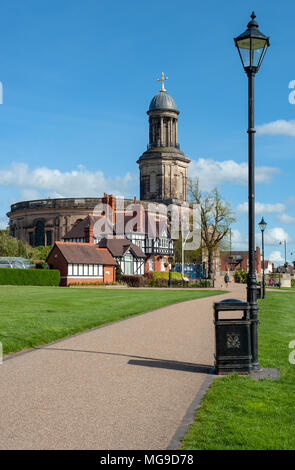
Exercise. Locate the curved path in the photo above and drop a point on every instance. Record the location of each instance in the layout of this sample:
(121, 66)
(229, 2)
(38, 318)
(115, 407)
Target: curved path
(128, 385)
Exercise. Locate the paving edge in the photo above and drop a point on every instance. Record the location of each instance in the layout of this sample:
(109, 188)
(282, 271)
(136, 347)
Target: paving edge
(188, 418)
(15, 355)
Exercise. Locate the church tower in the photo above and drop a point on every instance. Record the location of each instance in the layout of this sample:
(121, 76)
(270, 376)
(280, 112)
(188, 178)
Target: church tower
(163, 167)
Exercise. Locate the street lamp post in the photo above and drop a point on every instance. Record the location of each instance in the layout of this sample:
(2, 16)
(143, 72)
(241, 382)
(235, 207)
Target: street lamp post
(262, 224)
(252, 46)
(285, 243)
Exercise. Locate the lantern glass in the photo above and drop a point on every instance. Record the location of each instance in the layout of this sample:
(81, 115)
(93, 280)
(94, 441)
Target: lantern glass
(262, 225)
(252, 46)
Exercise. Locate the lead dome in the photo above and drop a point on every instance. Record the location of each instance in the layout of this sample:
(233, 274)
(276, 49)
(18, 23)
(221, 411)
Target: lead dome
(163, 100)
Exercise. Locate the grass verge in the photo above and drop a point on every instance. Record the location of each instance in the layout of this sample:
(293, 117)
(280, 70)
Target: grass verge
(31, 316)
(240, 413)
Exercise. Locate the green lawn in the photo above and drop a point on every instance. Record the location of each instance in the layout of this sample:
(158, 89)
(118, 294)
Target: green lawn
(240, 413)
(31, 316)
(280, 288)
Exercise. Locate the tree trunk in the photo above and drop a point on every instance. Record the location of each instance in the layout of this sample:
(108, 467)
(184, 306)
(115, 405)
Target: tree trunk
(210, 264)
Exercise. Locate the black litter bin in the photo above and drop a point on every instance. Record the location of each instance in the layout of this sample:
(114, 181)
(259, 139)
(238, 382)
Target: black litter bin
(233, 340)
(258, 295)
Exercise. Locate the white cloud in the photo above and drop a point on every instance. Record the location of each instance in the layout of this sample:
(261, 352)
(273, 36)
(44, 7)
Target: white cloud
(212, 173)
(3, 222)
(30, 194)
(239, 241)
(261, 208)
(280, 126)
(74, 183)
(275, 235)
(276, 257)
(286, 219)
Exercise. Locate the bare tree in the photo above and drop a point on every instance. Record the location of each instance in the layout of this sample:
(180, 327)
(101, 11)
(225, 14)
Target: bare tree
(216, 217)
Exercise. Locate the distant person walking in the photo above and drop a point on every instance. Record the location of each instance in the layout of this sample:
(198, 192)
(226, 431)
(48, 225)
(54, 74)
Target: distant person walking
(226, 280)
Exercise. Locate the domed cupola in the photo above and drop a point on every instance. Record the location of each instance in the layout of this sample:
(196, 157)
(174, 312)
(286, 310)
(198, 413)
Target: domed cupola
(163, 100)
(163, 167)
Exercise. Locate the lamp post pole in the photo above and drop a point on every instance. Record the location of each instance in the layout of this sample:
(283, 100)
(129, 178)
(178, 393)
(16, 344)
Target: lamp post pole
(263, 280)
(262, 226)
(285, 244)
(252, 281)
(252, 45)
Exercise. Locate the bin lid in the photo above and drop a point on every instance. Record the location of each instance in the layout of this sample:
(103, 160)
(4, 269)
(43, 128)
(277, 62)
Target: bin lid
(231, 304)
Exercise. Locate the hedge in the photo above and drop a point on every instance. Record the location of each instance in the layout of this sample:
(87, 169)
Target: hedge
(165, 275)
(133, 281)
(29, 277)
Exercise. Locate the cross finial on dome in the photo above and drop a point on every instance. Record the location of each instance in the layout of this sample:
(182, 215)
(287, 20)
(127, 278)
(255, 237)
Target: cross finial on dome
(162, 80)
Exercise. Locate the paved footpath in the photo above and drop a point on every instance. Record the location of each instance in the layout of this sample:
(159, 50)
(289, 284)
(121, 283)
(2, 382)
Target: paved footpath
(127, 385)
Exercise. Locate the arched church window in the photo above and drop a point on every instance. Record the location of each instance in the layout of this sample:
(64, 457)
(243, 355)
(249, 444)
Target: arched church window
(153, 182)
(39, 233)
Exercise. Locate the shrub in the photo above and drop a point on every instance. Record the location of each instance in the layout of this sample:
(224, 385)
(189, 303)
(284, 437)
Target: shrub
(292, 282)
(177, 283)
(149, 276)
(29, 277)
(133, 281)
(42, 266)
(200, 283)
(161, 282)
(119, 273)
(241, 276)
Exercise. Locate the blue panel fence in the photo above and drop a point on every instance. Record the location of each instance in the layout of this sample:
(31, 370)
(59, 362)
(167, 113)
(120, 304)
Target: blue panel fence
(192, 271)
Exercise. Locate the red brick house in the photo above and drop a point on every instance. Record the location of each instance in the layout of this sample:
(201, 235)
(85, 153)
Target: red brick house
(146, 239)
(82, 263)
(231, 261)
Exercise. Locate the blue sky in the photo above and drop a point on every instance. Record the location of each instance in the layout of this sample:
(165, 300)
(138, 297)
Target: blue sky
(78, 77)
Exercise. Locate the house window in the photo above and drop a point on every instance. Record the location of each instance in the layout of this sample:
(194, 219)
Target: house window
(86, 270)
(128, 264)
(163, 264)
(151, 264)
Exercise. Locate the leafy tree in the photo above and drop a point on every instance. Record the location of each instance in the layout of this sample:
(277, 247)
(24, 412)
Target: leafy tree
(216, 217)
(191, 256)
(11, 246)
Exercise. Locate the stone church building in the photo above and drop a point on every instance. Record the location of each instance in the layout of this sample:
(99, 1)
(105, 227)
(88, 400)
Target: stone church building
(163, 179)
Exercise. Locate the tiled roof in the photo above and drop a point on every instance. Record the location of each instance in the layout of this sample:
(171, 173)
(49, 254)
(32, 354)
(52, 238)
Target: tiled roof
(78, 231)
(85, 253)
(119, 246)
(153, 227)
